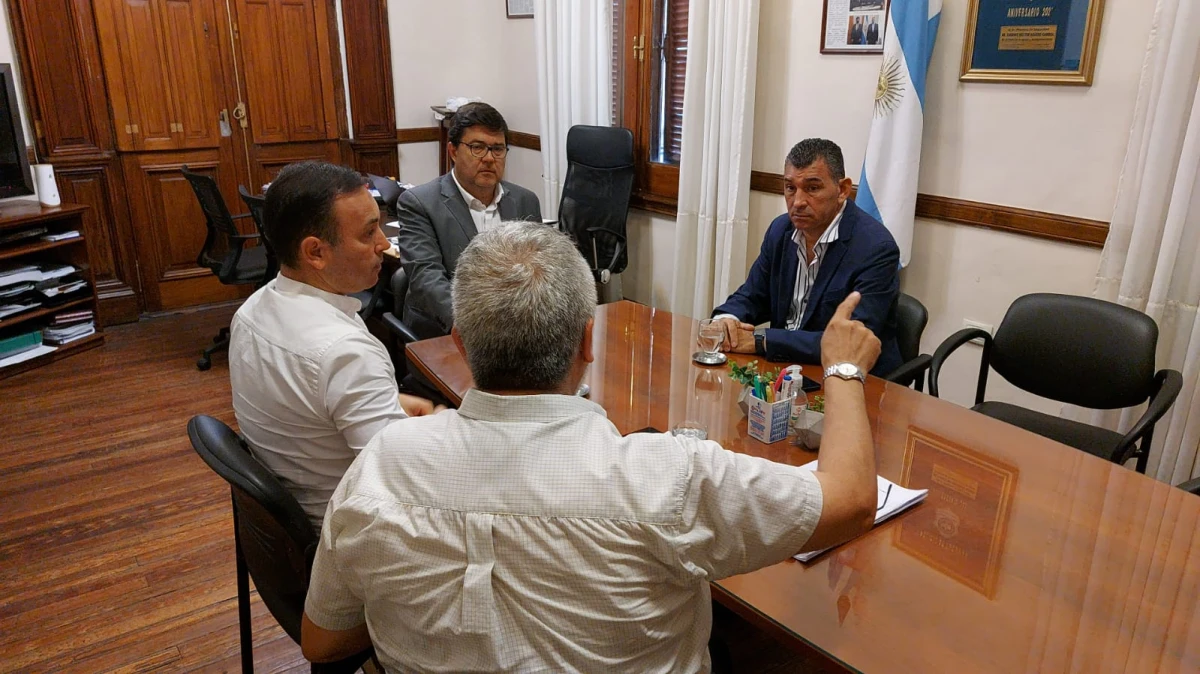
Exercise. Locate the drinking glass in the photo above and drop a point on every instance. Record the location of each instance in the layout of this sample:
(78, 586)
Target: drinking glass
(711, 336)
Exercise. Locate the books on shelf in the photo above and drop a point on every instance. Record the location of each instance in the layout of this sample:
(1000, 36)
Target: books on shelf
(7, 310)
(12, 274)
(39, 350)
(67, 334)
(11, 346)
(72, 317)
(893, 500)
(13, 237)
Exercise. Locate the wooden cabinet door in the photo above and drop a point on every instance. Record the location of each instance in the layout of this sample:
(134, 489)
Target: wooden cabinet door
(135, 66)
(189, 29)
(288, 70)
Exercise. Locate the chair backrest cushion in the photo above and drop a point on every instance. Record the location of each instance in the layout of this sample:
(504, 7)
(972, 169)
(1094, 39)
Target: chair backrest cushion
(399, 291)
(276, 537)
(1077, 350)
(911, 319)
(220, 252)
(596, 192)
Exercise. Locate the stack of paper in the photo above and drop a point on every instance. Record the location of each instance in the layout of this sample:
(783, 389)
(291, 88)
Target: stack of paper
(62, 236)
(68, 334)
(893, 499)
(7, 310)
(11, 274)
(13, 237)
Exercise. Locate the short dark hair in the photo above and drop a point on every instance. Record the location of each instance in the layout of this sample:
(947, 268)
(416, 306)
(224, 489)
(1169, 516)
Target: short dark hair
(476, 114)
(300, 203)
(809, 150)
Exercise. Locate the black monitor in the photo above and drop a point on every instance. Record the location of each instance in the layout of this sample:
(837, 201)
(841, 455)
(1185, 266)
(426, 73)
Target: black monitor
(15, 179)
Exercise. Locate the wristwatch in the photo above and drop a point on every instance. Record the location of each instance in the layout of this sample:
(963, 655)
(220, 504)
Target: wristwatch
(845, 371)
(760, 341)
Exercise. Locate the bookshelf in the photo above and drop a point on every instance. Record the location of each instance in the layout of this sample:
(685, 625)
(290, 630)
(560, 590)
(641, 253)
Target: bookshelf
(16, 216)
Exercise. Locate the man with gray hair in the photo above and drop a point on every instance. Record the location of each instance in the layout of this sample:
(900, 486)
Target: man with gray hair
(523, 533)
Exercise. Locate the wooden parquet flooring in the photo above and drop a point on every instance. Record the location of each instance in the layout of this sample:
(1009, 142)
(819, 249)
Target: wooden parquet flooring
(116, 553)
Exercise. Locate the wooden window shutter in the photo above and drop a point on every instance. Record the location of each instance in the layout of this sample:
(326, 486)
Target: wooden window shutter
(676, 65)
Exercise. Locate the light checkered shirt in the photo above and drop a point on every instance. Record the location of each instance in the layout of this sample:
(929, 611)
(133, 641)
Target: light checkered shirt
(806, 272)
(525, 534)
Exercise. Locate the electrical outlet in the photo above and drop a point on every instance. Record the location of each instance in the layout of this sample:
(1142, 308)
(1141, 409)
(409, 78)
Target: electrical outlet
(968, 323)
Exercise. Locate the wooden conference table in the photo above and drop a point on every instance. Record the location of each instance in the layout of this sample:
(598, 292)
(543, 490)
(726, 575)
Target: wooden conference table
(1027, 556)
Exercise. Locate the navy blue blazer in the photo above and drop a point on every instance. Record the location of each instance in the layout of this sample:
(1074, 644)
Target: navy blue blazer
(864, 258)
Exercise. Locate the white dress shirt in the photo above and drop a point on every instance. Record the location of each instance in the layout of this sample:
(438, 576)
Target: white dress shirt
(486, 216)
(311, 386)
(524, 534)
(806, 272)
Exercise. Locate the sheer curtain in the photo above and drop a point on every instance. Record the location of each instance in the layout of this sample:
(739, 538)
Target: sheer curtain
(714, 171)
(574, 68)
(1151, 261)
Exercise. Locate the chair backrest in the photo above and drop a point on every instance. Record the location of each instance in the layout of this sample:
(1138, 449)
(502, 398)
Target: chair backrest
(399, 291)
(277, 541)
(257, 204)
(911, 319)
(389, 191)
(1077, 350)
(220, 252)
(596, 193)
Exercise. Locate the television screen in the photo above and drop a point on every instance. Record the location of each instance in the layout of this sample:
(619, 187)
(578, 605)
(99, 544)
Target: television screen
(15, 179)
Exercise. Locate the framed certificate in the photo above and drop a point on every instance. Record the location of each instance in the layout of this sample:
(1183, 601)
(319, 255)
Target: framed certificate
(518, 9)
(1032, 41)
(853, 26)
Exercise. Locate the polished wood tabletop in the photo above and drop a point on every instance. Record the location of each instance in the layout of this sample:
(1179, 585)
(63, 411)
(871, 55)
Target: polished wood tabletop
(1027, 555)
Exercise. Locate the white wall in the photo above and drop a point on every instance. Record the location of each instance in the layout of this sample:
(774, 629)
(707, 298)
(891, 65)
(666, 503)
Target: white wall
(467, 48)
(1049, 148)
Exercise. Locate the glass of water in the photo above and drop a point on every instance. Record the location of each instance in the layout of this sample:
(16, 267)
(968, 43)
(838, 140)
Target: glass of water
(691, 429)
(711, 336)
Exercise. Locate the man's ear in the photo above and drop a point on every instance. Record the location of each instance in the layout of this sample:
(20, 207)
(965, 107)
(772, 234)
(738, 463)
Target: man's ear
(313, 252)
(845, 185)
(585, 347)
(458, 342)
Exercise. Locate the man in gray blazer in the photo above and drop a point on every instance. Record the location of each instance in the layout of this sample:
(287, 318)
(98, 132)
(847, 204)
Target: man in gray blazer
(438, 219)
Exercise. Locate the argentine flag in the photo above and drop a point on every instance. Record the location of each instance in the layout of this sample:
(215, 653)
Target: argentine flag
(888, 187)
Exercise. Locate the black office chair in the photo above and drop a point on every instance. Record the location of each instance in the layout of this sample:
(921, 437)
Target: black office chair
(595, 197)
(911, 319)
(224, 250)
(389, 192)
(1075, 350)
(274, 542)
(257, 204)
(1191, 486)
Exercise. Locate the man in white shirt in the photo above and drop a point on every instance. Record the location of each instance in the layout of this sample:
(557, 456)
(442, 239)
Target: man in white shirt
(438, 219)
(523, 533)
(311, 386)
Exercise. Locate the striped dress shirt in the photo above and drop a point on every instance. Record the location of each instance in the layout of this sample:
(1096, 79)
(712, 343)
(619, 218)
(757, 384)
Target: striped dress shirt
(806, 272)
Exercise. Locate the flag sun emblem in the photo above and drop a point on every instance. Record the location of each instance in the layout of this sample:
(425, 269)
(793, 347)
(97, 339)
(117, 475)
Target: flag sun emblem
(889, 91)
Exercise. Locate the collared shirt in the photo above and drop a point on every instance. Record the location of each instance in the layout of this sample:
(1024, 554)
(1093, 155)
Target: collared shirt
(523, 533)
(311, 386)
(806, 272)
(486, 216)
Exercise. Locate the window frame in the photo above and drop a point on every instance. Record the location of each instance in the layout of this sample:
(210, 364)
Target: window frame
(656, 185)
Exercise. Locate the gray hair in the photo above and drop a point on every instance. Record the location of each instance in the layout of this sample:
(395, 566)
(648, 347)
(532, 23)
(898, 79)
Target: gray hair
(522, 297)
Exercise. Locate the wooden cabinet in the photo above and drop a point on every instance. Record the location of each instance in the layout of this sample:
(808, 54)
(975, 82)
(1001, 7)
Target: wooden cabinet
(286, 61)
(26, 215)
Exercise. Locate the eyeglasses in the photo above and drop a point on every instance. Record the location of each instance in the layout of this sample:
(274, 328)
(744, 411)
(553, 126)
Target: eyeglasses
(481, 149)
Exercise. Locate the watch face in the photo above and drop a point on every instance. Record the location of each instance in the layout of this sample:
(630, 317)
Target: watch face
(846, 369)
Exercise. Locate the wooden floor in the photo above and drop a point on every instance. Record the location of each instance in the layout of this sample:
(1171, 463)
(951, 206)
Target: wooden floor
(117, 548)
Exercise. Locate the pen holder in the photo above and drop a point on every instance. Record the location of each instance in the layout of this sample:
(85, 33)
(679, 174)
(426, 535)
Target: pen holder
(767, 422)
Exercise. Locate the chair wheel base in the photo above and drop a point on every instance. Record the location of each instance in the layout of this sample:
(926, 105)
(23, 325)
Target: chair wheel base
(203, 364)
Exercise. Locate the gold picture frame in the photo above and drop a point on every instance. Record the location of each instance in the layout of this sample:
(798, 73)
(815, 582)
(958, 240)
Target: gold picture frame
(1079, 77)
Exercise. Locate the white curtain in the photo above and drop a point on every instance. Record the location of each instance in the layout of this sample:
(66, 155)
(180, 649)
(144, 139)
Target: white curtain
(574, 68)
(1151, 261)
(714, 171)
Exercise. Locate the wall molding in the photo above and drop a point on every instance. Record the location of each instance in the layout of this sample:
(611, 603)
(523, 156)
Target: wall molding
(528, 141)
(1039, 224)
(420, 134)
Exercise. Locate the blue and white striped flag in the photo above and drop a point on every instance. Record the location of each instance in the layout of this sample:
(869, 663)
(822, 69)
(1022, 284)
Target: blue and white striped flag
(888, 187)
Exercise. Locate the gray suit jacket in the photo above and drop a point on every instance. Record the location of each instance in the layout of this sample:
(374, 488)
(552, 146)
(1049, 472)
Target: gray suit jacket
(435, 228)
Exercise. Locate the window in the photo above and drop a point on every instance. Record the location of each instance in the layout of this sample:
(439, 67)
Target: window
(649, 63)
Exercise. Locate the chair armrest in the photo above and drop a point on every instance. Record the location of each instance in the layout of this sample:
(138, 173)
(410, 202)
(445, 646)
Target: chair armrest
(1167, 385)
(239, 216)
(1192, 486)
(912, 372)
(398, 328)
(948, 346)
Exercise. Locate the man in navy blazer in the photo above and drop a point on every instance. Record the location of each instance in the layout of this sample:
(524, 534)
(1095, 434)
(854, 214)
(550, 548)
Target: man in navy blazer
(798, 287)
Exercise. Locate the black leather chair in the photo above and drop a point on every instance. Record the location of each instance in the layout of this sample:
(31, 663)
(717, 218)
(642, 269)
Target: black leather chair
(393, 319)
(1075, 350)
(257, 204)
(224, 250)
(273, 540)
(1191, 486)
(389, 192)
(596, 194)
(911, 319)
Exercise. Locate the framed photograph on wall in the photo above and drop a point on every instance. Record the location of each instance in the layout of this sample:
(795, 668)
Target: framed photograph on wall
(853, 26)
(519, 9)
(1043, 42)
